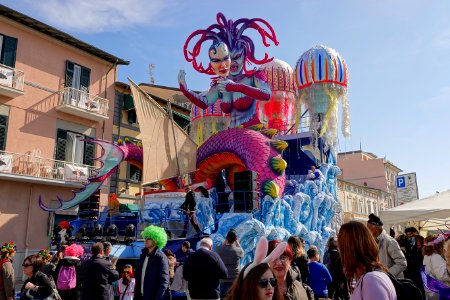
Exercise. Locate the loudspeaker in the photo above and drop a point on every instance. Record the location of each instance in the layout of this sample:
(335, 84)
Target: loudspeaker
(89, 208)
(245, 201)
(246, 181)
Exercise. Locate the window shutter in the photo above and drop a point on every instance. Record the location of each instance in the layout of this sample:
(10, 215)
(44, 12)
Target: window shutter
(134, 174)
(85, 79)
(61, 140)
(89, 151)
(9, 51)
(69, 73)
(132, 116)
(3, 130)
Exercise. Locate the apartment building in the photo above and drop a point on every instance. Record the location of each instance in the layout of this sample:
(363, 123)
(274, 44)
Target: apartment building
(359, 201)
(126, 180)
(55, 91)
(367, 184)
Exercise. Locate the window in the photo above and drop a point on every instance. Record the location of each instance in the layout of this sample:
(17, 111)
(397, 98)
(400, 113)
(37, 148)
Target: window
(71, 147)
(8, 48)
(134, 173)
(4, 116)
(3, 130)
(132, 116)
(77, 77)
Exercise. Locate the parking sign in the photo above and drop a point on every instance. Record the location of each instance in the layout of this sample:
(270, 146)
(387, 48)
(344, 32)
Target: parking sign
(406, 188)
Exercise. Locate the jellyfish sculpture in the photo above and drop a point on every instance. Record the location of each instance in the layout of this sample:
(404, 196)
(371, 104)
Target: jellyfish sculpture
(278, 112)
(321, 77)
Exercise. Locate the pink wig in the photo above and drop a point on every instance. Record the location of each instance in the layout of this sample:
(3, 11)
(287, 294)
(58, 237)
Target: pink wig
(74, 250)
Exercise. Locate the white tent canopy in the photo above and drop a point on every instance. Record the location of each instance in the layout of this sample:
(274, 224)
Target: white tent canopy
(436, 206)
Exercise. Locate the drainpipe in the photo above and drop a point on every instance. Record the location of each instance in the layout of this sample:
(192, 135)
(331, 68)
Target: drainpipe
(28, 221)
(106, 87)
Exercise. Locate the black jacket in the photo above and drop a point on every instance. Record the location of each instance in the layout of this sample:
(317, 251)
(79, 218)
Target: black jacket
(69, 261)
(189, 202)
(202, 270)
(156, 280)
(45, 287)
(96, 277)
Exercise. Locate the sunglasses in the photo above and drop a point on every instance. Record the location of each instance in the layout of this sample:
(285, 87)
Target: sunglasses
(263, 283)
(283, 258)
(26, 265)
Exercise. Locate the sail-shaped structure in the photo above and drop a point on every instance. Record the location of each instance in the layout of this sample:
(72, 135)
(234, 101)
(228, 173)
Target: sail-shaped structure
(168, 149)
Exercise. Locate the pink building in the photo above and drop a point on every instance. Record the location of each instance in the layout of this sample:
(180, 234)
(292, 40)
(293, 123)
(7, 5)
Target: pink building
(55, 91)
(365, 169)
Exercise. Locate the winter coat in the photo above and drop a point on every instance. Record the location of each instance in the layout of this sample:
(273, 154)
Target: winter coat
(436, 267)
(203, 270)
(391, 255)
(96, 276)
(295, 289)
(7, 274)
(156, 276)
(44, 284)
(72, 294)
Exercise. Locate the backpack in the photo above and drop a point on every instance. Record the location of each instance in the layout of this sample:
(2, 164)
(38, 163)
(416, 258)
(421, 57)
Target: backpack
(404, 288)
(67, 278)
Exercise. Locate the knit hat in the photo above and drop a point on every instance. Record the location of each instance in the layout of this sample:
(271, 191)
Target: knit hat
(375, 220)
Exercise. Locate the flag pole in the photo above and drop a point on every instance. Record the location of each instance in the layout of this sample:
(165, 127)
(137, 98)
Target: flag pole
(169, 111)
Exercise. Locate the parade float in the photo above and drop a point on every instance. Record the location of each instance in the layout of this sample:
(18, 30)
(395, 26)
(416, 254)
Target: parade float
(237, 125)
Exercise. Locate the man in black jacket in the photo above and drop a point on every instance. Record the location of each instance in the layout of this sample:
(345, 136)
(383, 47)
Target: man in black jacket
(188, 208)
(96, 276)
(202, 270)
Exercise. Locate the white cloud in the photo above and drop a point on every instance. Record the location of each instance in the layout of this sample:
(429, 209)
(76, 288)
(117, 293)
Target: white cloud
(443, 39)
(94, 16)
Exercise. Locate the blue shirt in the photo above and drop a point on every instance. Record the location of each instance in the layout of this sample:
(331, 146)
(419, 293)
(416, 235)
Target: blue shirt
(319, 278)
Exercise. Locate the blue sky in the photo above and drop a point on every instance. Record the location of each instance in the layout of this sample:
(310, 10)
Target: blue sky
(397, 53)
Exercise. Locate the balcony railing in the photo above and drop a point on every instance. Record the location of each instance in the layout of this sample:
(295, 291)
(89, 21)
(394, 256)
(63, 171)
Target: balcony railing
(38, 167)
(83, 104)
(11, 81)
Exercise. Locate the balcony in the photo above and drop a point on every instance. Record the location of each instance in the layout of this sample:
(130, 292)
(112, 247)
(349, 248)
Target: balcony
(11, 81)
(25, 167)
(83, 104)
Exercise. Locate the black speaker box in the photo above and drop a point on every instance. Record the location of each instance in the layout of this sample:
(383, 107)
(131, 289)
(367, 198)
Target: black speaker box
(246, 181)
(245, 201)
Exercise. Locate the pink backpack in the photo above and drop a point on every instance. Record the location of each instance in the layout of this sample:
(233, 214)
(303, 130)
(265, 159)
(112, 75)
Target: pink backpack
(67, 278)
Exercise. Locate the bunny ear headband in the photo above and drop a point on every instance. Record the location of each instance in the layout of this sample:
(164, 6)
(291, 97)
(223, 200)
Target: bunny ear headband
(261, 252)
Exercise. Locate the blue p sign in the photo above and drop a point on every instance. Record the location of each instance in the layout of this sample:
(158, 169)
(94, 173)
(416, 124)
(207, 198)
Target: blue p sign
(401, 183)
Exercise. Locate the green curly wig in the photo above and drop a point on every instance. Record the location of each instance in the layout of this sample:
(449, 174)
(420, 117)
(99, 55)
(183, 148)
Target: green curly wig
(156, 234)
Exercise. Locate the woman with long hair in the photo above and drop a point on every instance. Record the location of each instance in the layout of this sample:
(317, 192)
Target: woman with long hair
(259, 284)
(300, 259)
(126, 284)
(434, 262)
(288, 285)
(37, 285)
(360, 259)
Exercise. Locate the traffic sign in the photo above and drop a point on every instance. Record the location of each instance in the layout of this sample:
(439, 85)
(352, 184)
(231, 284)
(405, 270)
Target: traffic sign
(407, 190)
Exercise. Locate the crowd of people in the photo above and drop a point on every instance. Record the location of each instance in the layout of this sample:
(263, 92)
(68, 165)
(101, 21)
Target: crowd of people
(362, 262)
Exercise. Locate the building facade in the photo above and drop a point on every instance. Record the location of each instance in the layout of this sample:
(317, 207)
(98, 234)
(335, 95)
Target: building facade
(367, 184)
(55, 91)
(359, 201)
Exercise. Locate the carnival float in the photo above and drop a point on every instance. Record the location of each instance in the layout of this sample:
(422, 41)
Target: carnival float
(238, 124)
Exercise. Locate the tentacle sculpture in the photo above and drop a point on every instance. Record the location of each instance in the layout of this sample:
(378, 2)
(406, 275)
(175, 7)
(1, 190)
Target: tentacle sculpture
(111, 156)
(240, 149)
